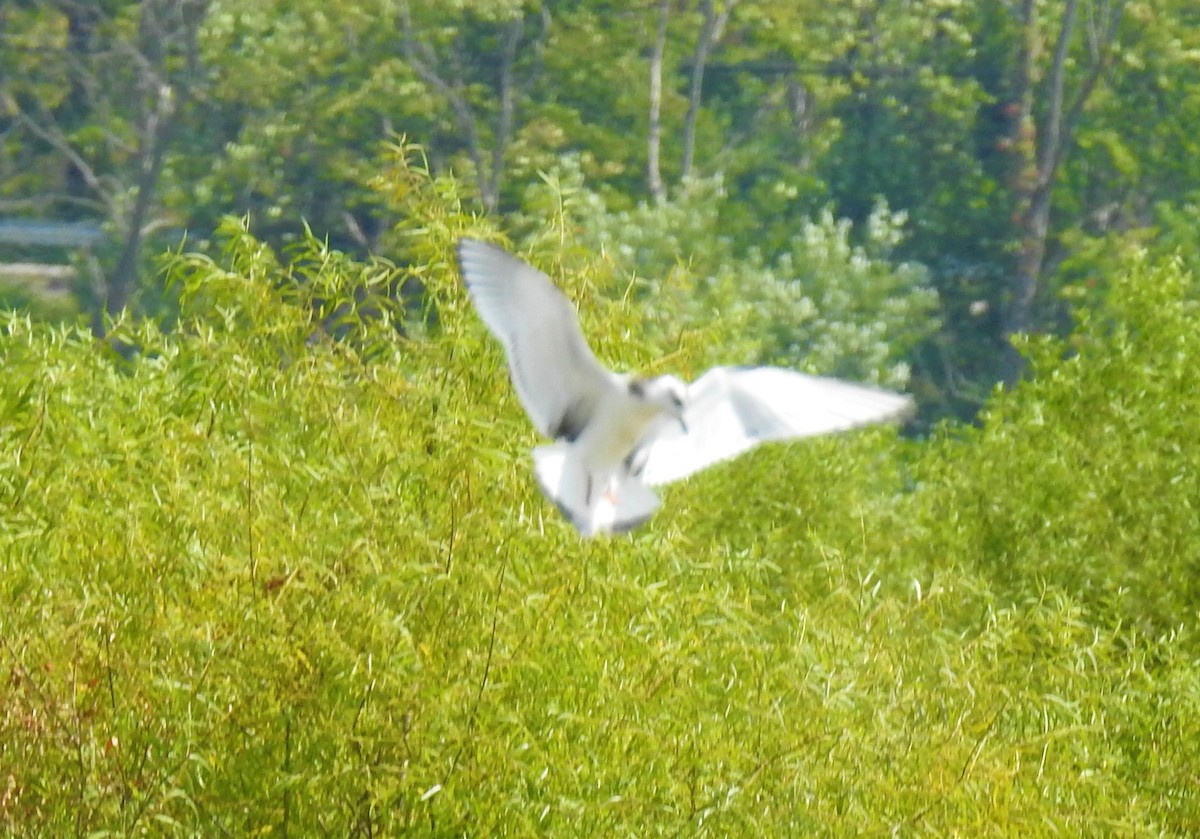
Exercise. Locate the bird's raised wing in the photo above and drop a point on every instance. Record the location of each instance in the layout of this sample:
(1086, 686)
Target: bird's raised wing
(732, 409)
(556, 376)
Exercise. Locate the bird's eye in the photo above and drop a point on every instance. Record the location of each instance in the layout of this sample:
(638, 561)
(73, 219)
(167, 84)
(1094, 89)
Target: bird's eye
(676, 401)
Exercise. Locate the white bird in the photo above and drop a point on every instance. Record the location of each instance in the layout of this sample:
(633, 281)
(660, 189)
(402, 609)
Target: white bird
(618, 435)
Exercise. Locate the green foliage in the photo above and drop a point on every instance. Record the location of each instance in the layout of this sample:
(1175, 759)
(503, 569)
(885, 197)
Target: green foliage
(28, 294)
(276, 110)
(824, 302)
(1087, 477)
(269, 577)
(306, 96)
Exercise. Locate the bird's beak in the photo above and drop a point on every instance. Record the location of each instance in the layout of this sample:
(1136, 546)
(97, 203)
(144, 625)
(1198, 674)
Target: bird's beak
(682, 423)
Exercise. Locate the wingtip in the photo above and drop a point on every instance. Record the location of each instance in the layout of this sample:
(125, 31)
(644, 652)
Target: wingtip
(463, 245)
(904, 410)
(478, 259)
(466, 244)
(470, 243)
(475, 257)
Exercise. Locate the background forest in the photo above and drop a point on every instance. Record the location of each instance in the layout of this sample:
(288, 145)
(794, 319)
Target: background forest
(271, 558)
(941, 170)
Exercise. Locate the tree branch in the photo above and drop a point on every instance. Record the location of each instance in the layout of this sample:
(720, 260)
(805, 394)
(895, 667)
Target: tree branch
(422, 60)
(1052, 139)
(54, 137)
(1104, 51)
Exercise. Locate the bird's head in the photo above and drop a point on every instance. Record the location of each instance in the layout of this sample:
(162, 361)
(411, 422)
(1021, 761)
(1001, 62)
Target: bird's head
(666, 393)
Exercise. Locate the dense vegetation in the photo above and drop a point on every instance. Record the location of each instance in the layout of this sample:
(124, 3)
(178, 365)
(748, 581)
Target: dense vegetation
(262, 578)
(272, 560)
(1013, 146)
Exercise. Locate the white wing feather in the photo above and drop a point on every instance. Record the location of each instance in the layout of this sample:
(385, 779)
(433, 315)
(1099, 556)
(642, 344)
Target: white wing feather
(730, 410)
(556, 376)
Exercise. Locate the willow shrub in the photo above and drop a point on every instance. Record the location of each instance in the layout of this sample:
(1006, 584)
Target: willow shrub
(284, 570)
(1087, 477)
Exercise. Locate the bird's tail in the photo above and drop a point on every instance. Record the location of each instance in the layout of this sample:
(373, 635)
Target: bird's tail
(593, 503)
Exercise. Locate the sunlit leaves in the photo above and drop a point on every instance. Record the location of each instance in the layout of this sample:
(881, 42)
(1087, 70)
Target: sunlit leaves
(834, 301)
(260, 579)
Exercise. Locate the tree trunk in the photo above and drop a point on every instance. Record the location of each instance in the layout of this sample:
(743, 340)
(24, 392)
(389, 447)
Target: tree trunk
(1033, 214)
(167, 29)
(699, 58)
(512, 38)
(710, 33)
(654, 180)
(1040, 154)
(122, 280)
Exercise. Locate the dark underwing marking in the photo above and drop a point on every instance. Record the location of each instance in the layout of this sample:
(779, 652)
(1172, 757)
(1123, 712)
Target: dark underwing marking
(757, 420)
(635, 461)
(570, 425)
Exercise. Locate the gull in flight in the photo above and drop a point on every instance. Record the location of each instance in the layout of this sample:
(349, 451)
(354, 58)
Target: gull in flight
(617, 435)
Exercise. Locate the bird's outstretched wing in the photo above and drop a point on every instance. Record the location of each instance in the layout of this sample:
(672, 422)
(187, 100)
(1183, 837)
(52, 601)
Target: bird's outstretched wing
(556, 376)
(732, 409)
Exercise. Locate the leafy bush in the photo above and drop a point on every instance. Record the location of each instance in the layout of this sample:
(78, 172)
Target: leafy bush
(1087, 477)
(267, 576)
(825, 302)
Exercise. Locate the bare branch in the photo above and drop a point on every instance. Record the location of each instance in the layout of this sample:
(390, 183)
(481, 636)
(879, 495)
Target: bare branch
(422, 59)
